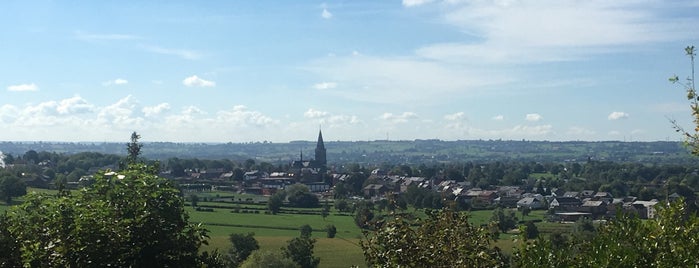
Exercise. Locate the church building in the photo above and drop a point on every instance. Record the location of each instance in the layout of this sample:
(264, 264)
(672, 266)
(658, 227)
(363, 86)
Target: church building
(312, 170)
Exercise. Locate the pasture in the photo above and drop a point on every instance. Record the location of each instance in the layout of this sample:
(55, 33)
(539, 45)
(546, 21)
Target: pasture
(246, 213)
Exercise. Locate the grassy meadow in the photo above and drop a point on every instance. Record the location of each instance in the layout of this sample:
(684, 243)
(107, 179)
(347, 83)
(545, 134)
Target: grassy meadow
(273, 231)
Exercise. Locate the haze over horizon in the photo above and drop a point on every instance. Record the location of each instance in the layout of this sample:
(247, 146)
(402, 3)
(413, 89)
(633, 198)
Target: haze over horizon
(241, 71)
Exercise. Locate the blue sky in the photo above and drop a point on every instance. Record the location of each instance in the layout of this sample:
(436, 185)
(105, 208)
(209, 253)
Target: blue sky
(239, 71)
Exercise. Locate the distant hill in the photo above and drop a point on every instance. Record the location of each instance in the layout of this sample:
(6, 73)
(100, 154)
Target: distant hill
(375, 152)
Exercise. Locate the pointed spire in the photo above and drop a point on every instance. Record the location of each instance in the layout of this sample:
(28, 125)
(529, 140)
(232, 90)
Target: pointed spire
(320, 143)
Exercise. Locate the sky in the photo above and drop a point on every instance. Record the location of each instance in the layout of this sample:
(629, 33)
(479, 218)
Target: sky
(246, 71)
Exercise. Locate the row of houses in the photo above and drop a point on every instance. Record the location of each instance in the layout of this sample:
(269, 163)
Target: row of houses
(566, 205)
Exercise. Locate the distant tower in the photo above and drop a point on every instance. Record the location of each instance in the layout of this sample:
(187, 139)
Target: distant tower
(320, 151)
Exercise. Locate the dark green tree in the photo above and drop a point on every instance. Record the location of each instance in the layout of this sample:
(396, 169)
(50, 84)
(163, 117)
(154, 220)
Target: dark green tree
(275, 202)
(331, 230)
(11, 186)
(306, 230)
(133, 149)
(300, 250)
(132, 218)
(242, 245)
(444, 239)
(505, 219)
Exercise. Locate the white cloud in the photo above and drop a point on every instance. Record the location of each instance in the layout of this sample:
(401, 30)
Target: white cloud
(533, 117)
(403, 79)
(118, 81)
(399, 118)
(554, 30)
(311, 113)
(455, 116)
(325, 85)
(96, 37)
(413, 3)
(74, 105)
(617, 115)
(182, 53)
(150, 111)
(195, 81)
(241, 116)
(23, 87)
(326, 14)
(498, 117)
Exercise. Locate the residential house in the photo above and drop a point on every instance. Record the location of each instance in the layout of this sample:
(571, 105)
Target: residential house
(565, 204)
(530, 203)
(645, 209)
(373, 190)
(594, 207)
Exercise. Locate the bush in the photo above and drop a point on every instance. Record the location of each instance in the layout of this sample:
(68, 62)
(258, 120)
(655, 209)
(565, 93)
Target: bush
(331, 230)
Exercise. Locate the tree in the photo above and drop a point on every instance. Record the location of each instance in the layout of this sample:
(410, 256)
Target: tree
(300, 249)
(268, 259)
(444, 239)
(626, 241)
(128, 219)
(11, 186)
(331, 230)
(691, 137)
(530, 230)
(242, 245)
(306, 230)
(194, 199)
(133, 149)
(505, 220)
(342, 205)
(325, 211)
(275, 202)
(300, 196)
(10, 254)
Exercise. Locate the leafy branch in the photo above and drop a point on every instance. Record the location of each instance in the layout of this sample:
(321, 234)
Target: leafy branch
(691, 138)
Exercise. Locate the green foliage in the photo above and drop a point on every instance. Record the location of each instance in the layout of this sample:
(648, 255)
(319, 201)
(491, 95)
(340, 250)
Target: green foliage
(342, 205)
(306, 230)
(10, 254)
(529, 230)
(671, 240)
(260, 259)
(331, 230)
(691, 137)
(133, 148)
(131, 218)
(299, 196)
(11, 186)
(194, 199)
(444, 239)
(505, 219)
(242, 245)
(300, 250)
(363, 215)
(275, 202)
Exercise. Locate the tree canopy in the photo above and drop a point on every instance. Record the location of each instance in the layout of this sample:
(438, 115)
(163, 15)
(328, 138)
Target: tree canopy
(130, 218)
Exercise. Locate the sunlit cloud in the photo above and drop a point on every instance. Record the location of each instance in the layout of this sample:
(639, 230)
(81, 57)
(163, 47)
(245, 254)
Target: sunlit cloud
(182, 53)
(617, 116)
(195, 81)
(399, 118)
(23, 87)
(533, 117)
(325, 85)
(118, 81)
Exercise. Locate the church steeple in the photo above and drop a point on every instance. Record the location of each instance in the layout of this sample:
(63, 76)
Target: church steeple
(320, 150)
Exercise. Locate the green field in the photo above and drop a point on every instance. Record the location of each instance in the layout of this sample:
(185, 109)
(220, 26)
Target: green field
(273, 231)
